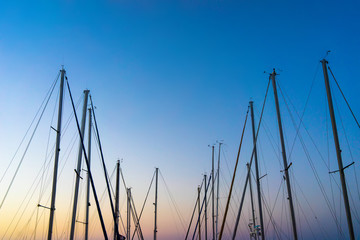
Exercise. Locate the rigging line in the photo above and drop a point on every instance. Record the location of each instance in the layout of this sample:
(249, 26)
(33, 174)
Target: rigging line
(27, 147)
(191, 219)
(122, 223)
(313, 142)
(272, 141)
(135, 218)
(142, 209)
(354, 210)
(226, 224)
(299, 208)
(173, 201)
(284, 198)
(171, 211)
(251, 160)
(270, 212)
(351, 155)
(188, 230)
(306, 103)
(229, 172)
(233, 197)
(45, 160)
(25, 227)
(101, 200)
(311, 209)
(104, 166)
(347, 103)
(234, 174)
(111, 187)
(20, 207)
(87, 163)
(311, 163)
(47, 167)
(133, 205)
(33, 120)
(99, 155)
(48, 157)
(202, 205)
(64, 131)
(347, 142)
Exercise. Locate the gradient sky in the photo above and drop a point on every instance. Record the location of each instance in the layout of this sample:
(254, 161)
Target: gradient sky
(169, 78)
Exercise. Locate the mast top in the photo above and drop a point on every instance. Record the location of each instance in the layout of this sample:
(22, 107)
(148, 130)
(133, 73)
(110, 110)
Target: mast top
(324, 60)
(273, 73)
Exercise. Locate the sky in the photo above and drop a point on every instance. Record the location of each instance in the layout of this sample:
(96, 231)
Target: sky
(168, 79)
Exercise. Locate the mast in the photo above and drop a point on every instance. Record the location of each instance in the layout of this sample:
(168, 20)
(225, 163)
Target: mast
(338, 151)
(156, 193)
(116, 236)
(217, 194)
(212, 193)
(286, 166)
(252, 202)
(199, 218)
(205, 212)
(128, 213)
(257, 173)
(78, 169)
(88, 181)
(57, 151)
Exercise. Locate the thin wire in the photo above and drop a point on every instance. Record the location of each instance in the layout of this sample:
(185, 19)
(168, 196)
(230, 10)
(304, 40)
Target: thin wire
(142, 209)
(27, 147)
(22, 140)
(311, 164)
(270, 212)
(173, 201)
(251, 160)
(347, 103)
(303, 112)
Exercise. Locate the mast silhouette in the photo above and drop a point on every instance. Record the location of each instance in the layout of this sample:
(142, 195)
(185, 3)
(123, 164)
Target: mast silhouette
(205, 211)
(156, 197)
(338, 151)
(257, 172)
(199, 218)
(217, 194)
(78, 169)
(286, 166)
(252, 202)
(212, 193)
(57, 151)
(128, 220)
(117, 236)
(88, 181)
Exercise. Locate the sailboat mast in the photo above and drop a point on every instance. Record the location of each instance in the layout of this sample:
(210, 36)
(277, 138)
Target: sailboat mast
(212, 193)
(128, 213)
(217, 193)
(252, 201)
(257, 172)
(286, 166)
(338, 151)
(199, 218)
(116, 236)
(205, 198)
(156, 193)
(57, 151)
(78, 169)
(88, 181)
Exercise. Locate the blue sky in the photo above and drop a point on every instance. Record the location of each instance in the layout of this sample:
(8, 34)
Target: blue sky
(170, 77)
